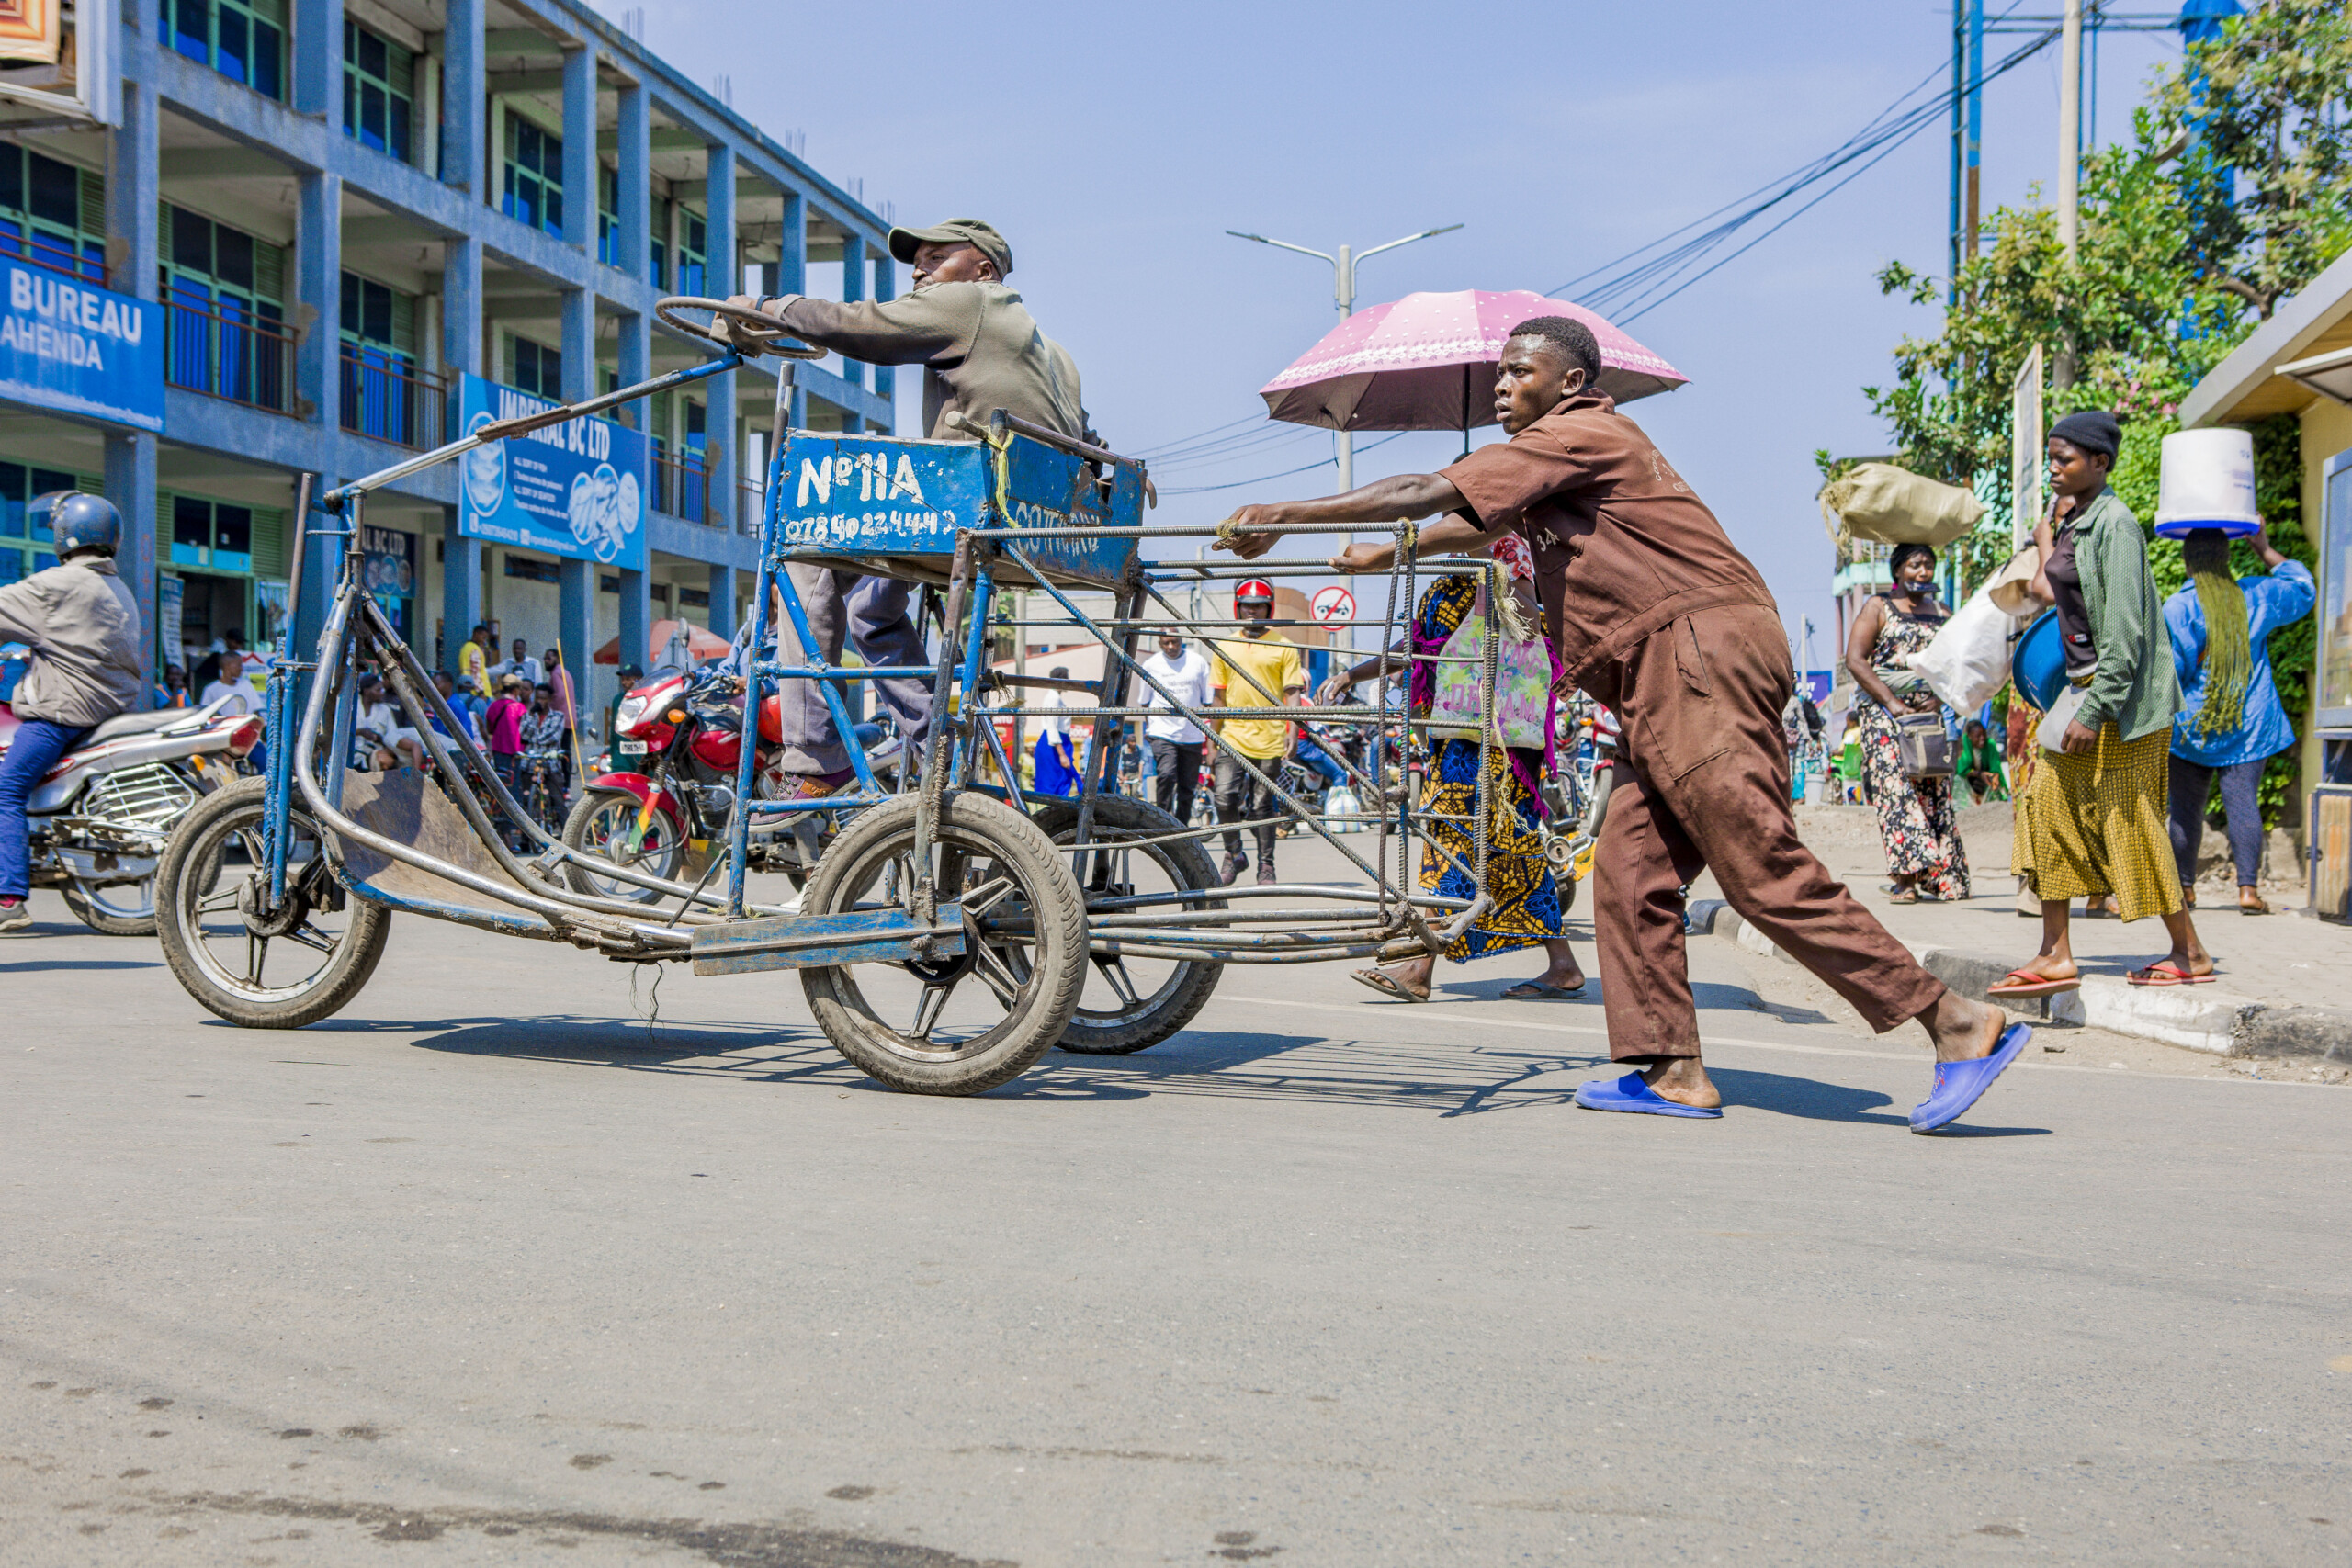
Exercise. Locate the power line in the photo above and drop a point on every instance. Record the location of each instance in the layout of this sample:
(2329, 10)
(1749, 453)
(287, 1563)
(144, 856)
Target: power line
(1262, 479)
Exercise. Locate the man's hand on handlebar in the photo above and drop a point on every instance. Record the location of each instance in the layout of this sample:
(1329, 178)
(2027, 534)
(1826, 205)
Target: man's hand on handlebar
(730, 331)
(1250, 546)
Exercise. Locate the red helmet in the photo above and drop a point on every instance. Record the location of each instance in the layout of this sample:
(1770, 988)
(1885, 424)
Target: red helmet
(1255, 591)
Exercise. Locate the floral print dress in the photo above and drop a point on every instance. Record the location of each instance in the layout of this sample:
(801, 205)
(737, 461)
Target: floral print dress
(1915, 815)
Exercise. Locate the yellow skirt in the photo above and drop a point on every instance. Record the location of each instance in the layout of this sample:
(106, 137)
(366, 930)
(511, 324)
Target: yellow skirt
(2096, 824)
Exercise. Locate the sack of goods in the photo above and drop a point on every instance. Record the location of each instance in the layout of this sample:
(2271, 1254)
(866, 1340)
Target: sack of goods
(1969, 660)
(1888, 505)
(1340, 801)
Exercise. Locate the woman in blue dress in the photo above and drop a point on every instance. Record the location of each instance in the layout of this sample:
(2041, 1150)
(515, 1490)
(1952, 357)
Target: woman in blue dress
(2234, 723)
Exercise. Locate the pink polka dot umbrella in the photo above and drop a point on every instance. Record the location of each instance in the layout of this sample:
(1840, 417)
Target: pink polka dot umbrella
(1426, 361)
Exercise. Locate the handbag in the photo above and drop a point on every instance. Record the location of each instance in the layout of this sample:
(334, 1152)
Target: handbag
(1522, 688)
(2053, 732)
(1924, 746)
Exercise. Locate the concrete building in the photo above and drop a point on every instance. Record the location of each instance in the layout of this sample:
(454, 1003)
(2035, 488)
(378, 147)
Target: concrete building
(317, 230)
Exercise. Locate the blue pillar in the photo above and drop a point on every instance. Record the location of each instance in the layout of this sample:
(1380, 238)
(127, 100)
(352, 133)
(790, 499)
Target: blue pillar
(633, 358)
(886, 376)
(461, 305)
(134, 245)
(464, 107)
(726, 278)
(318, 59)
(792, 276)
(317, 245)
(321, 566)
(634, 155)
(460, 589)
(636, 615)
(722, 600)
(852, 290)
(579, 163)
(578, 344)
(575, 621)
(130, 485)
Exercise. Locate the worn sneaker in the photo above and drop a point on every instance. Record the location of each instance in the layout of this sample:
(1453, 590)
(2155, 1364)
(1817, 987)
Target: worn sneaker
(16, 915)
(1266, 878)
(1234, 866)
(816, 786)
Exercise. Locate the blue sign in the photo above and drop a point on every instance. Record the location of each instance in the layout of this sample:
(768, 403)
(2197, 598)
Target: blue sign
(876, 497)
(1815, 684)
(81, 350)
(575, 488)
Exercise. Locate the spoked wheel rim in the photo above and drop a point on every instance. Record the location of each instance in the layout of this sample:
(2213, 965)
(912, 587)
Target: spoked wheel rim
(606, 829)
(248, 955)
(1118, 987)
(949, 1009)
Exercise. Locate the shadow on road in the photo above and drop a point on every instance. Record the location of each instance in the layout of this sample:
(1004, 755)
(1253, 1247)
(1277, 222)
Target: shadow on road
(38, 966)
(1818, 1102)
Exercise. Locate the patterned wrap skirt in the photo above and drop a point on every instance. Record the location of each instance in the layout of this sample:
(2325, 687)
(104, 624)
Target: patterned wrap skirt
(1915, 823)
(1526, 907)
(2095, 823)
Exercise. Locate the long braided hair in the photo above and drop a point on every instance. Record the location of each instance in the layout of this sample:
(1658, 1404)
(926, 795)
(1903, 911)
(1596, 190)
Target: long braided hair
(2229, 652)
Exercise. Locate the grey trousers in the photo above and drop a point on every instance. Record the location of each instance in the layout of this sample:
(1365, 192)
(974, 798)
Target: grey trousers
(870, 613)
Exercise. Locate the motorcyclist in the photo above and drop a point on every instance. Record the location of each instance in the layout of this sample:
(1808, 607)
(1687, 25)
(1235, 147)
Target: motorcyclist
(82, 624)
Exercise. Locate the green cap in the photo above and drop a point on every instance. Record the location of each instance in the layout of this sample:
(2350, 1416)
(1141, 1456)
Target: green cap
(955, 230)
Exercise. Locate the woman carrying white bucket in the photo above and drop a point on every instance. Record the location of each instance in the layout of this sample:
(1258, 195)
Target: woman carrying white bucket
(2221, 649)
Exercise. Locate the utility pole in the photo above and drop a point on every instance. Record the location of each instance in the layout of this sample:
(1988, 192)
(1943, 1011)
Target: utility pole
(2070, 128)
(1343, 291)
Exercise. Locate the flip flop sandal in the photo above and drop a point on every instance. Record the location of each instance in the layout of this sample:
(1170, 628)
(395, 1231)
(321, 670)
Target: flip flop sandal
(2024, 984)
(2259, 907)
(1537, 991)
(2165, 972)
(1960, 1085)
(1630, 1093)
(1385, 983)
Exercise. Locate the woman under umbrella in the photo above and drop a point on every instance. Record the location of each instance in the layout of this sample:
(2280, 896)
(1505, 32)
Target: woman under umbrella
(1525, 907)
(1915, 824)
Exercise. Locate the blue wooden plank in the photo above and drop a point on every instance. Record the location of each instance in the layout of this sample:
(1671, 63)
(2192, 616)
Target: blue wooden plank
(800, 941)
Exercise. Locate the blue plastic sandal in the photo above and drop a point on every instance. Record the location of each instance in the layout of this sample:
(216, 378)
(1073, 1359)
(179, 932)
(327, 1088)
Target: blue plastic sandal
(1630, 1093)
(1960, 1085)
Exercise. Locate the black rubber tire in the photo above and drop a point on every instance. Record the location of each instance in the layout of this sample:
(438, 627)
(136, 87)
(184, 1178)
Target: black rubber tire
(576, 837)
(193, 857)
(1049, 979)
(87, 911)
(1174, 1003)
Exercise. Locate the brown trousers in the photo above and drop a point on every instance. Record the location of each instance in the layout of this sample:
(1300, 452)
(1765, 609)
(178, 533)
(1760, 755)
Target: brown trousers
(1701, 701)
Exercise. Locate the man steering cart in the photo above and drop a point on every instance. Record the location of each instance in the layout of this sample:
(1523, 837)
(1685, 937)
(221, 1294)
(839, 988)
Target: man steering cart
(981, 351)
(1652, 611)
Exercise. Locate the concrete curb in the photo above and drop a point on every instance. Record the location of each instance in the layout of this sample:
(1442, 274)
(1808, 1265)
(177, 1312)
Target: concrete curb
(2195, 1018)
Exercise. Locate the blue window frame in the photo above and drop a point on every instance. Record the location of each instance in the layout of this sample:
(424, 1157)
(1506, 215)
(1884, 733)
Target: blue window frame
(536, 368)
(243, 39)
(52, 214)
(378, 92)
(534, 189)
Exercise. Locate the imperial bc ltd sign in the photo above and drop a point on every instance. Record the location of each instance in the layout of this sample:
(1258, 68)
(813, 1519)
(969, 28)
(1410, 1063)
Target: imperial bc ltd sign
(81, 350)
(576, 488)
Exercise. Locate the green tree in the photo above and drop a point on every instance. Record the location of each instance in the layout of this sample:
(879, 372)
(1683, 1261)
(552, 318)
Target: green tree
(2262, 118)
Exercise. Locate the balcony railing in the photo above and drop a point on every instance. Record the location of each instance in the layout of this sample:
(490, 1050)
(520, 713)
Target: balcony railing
(47, 250)
(381, 398)
(751, 509)
(681, 486)
(233, 356)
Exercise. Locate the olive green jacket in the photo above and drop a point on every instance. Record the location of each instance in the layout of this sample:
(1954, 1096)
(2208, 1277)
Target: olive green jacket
(2133, 684)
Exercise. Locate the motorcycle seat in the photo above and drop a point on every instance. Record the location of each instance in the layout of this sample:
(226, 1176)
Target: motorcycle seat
(124, 723)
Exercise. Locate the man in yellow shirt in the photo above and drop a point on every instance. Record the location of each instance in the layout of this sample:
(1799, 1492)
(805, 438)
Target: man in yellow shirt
(473, 663)
(1263, 671)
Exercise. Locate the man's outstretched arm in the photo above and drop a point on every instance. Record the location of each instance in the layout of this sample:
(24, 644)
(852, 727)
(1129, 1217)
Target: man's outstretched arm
(1383, 500)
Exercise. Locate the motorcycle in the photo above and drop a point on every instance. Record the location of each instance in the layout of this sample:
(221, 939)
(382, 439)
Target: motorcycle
(97, 821)
(670, 792)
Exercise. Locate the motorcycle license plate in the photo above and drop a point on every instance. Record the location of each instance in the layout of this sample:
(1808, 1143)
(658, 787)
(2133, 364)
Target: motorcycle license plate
(632, 748)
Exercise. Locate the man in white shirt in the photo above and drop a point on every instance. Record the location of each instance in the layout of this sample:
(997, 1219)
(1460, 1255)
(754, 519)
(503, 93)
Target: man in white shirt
(1176, 741)
(378, 732)
(521, 664)
(229, 684)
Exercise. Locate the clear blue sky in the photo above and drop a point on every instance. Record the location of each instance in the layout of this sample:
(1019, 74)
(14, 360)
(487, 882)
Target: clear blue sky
(1114, 143)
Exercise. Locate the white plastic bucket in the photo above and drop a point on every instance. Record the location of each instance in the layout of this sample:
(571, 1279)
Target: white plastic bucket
(2207, 483)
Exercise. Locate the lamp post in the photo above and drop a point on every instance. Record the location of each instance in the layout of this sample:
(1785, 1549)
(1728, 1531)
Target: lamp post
(1343, 291)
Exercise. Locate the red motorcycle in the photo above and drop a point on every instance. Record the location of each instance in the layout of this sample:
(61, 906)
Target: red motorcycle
(662, 810)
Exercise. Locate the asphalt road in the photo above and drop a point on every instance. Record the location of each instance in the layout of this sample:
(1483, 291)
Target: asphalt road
(492, 1270)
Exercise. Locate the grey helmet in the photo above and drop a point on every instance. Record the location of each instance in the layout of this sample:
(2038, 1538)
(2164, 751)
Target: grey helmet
(78, 521)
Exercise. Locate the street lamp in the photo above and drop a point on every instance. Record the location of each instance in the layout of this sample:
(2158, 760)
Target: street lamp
(1344, 290)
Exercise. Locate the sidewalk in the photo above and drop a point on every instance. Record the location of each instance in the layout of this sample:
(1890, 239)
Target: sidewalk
(2284, 985)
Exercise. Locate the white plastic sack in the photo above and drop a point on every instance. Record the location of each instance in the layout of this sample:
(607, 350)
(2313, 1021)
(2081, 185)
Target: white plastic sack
(1969, 660)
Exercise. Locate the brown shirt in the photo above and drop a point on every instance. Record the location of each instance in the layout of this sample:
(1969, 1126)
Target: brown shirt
(1622, 546)
(980, 347)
